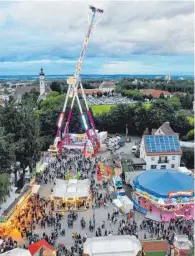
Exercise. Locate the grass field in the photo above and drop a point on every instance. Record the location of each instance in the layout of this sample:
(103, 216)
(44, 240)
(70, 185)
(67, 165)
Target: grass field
(191, 119)
(100, 109)
(155, 253)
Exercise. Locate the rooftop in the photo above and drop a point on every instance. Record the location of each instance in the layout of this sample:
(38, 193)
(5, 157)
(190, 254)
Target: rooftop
(17, 252)
(152, 246)
(107, 84)
(155, 93)
(162, 144)
(71, 188)
(161, 182)
(35, 248)
(166, 129)
(138, 161)
(112, 245)
(25, 89)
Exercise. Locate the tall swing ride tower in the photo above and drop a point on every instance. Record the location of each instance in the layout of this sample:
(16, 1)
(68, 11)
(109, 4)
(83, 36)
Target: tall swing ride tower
(74, 82)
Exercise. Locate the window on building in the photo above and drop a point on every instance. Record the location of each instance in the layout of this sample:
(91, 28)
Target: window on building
(163, 167)
(172, 166)
(173, 157)
(153, 166)
(152, 158)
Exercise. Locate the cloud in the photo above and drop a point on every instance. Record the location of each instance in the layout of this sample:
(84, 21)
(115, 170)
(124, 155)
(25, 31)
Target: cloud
(38, 62)
(48, 30)
(149, 65)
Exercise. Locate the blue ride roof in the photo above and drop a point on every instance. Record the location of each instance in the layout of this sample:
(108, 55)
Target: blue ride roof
(161, 182)
(162, 144)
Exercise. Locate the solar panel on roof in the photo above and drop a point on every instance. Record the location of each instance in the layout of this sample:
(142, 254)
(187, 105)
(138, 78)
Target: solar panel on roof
(162, 144)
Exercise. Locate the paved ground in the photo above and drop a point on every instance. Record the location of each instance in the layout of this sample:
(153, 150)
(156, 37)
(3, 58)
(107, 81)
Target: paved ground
(100, 213)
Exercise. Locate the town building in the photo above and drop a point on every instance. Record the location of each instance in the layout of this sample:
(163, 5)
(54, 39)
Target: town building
(93, 92)
(182, 245)
(42, 88)
(20, 91)
(168, 77)
(4, 97)
(155, 246)
(107, 86)
(112, 245)
(155, 93)
(164, 129)
(161, 152)
(2, 103)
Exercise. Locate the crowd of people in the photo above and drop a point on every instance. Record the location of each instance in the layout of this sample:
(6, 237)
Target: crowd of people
(39, 214)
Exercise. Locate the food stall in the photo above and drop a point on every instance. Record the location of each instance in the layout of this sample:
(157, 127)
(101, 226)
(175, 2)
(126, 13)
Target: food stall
(71, 194)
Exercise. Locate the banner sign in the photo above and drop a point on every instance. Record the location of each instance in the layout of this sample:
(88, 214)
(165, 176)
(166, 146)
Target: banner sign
(181, 193)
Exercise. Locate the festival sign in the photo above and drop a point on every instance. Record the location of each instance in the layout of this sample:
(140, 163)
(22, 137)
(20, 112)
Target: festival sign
(181, 193)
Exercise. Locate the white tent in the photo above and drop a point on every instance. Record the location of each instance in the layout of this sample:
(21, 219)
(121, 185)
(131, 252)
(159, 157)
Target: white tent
(35, 189)
(112, 245)
(17, 252)
(118, 203)
(127, 203)
(71, 189)
(184, 170)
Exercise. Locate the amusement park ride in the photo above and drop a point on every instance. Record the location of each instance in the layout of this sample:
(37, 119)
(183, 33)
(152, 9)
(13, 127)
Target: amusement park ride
(74, 82)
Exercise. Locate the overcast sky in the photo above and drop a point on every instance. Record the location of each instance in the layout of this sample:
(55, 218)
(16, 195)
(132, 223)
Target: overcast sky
(133, 37)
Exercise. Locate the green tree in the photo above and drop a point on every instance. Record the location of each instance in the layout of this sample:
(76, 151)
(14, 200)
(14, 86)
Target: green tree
(188, 157)
(146, 132)
(7, 151)
(20, 122)
(190, 135)
(55, 86)
(140, 119)
(181, 124)
(175, 102)
(159, 112)
(162, 96)
(4, 186)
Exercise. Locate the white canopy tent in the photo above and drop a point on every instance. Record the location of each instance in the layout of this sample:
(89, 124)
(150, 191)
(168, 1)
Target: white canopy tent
(35, 188)
(118, 203)
(112, 245)
(17, 252)
(71, 189)
(184, 170)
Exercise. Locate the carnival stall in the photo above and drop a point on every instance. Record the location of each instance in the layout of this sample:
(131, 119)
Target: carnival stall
(124, 204)
(71, 194)
(168, 193)
(9, 214)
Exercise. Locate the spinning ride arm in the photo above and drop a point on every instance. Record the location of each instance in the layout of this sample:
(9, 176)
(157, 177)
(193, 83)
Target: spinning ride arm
(73, 83)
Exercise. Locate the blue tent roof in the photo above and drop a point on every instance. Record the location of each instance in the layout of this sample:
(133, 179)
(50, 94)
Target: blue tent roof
(160, 182)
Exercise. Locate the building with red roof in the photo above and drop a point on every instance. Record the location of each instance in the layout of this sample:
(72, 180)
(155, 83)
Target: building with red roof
(2, 103)
(42, 245)
(155, 93)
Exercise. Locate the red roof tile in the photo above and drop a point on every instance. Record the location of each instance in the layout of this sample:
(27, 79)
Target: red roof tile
(34, 248)
(154, 93)
(152, 246)
(90, 91)
(2, 102)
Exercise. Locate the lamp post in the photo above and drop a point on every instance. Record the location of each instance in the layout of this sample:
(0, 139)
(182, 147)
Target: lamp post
(126, 130)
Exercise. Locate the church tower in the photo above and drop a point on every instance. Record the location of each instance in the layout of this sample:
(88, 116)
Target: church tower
(42, 82)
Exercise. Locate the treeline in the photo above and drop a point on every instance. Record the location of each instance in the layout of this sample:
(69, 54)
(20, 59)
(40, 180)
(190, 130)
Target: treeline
(20, 140)
(138, 118)
(27, 128)
(171, 86)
